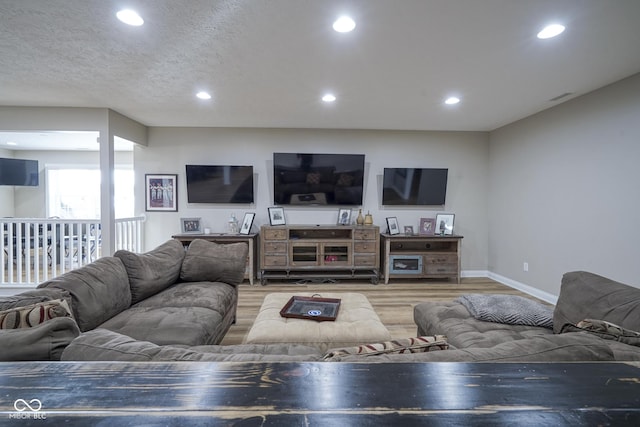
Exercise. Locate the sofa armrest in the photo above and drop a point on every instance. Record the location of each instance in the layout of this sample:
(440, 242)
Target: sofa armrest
(45, 341)
(586, 295)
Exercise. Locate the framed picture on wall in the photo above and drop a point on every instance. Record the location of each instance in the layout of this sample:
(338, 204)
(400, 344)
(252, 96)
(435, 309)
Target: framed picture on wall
(161, 192)
(247, 222)
(191, 225)
(444, 224)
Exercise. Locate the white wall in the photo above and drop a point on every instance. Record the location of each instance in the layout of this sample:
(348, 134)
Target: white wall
(564, 190)
(464, 153)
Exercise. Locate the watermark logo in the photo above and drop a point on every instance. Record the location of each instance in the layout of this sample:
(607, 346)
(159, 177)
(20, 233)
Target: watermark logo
(28, 410)
(21, 405)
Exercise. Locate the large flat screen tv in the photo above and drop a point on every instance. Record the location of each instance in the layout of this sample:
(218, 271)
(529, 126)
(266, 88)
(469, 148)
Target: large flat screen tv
(19, 172)
(414, 186)
(219, 184)
(318, 179)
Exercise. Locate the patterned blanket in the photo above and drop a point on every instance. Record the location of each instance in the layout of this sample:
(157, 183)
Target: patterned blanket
(510, 309)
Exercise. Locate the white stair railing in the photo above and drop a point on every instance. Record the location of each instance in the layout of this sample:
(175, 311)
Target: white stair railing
(34, 250)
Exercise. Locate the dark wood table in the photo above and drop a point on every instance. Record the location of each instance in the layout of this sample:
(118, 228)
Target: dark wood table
(318, 394)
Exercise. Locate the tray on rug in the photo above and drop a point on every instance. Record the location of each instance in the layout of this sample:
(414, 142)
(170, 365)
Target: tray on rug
(312, 308)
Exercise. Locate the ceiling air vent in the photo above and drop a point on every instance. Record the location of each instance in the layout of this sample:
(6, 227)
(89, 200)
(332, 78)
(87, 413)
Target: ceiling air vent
(559, 97)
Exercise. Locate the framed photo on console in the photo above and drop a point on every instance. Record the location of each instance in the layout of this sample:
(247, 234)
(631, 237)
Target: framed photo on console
(276, 216)
(247, 222)
(392, 225)
(427, 226)
(344, 216)
(191, 225)
(444, 224)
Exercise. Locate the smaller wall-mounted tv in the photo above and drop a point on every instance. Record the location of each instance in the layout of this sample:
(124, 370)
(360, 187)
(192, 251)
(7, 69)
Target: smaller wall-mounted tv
(19, 172)
(318, 179)
(414, 186)
(219, 184)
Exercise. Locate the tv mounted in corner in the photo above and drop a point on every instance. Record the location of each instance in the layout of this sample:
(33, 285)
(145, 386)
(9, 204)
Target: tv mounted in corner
(19, 172)
(318, 179)
(414, 186)
(219, 184)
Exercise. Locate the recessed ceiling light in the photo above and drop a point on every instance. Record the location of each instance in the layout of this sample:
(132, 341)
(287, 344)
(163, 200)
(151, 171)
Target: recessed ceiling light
(130, 17)
(452, 100)
(329, 97)
(551, 31)
(203, 95)
(344, 24)
(12, 143)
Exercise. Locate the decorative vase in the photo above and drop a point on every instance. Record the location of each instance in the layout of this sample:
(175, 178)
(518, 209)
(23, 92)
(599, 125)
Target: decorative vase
(360, 219)
(368, 219)
(233, 224)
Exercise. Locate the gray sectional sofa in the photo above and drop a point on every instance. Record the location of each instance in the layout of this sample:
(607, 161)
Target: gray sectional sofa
(169, 305)
(165, 296)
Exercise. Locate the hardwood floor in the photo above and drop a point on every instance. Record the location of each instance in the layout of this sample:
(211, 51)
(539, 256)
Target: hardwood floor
(393, 302)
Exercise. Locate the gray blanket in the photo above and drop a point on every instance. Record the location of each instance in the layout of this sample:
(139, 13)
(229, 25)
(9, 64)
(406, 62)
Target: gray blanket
(510, 309)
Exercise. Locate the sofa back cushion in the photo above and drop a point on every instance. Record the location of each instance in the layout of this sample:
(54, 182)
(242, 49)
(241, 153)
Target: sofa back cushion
(212, 262)
(99, 291)
(34, 296)
(586, 295)
(153, 271)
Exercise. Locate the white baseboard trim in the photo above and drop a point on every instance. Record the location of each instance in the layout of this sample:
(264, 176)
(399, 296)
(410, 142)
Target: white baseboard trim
(544, 296)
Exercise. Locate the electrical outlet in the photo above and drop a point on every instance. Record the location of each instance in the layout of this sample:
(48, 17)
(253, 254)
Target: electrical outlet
(525, 266)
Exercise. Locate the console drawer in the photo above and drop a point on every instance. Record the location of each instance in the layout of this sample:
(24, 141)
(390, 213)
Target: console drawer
(275, 247)
(275, 260)
(364, 260)
(364, 234)
(271, 234)
(365, 247)
(441, 264)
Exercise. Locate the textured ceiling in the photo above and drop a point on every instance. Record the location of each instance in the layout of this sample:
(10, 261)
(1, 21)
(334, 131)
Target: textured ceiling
(267, 63)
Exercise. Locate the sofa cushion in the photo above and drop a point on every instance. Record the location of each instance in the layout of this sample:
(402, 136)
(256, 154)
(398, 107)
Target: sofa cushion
(399, 346)
(214, 262)
(99, 291)
(101, 344)
(153, 271)
(34, 296)
(45, 341)
(573, 347)
(463, 330)
(32, 315)
(586, 295)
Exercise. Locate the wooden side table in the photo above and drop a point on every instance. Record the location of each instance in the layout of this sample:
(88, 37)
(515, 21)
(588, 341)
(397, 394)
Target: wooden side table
(222, 238)
(421, 256)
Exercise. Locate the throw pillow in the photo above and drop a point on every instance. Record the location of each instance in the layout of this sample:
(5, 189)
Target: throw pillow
(32, 315)
(407, 345)
(213, 262)
(153, 271)
(605, 330)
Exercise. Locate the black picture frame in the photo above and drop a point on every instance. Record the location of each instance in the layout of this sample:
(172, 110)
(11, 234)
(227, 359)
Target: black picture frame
(247, 222)
(392, 225)
(276, 216)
